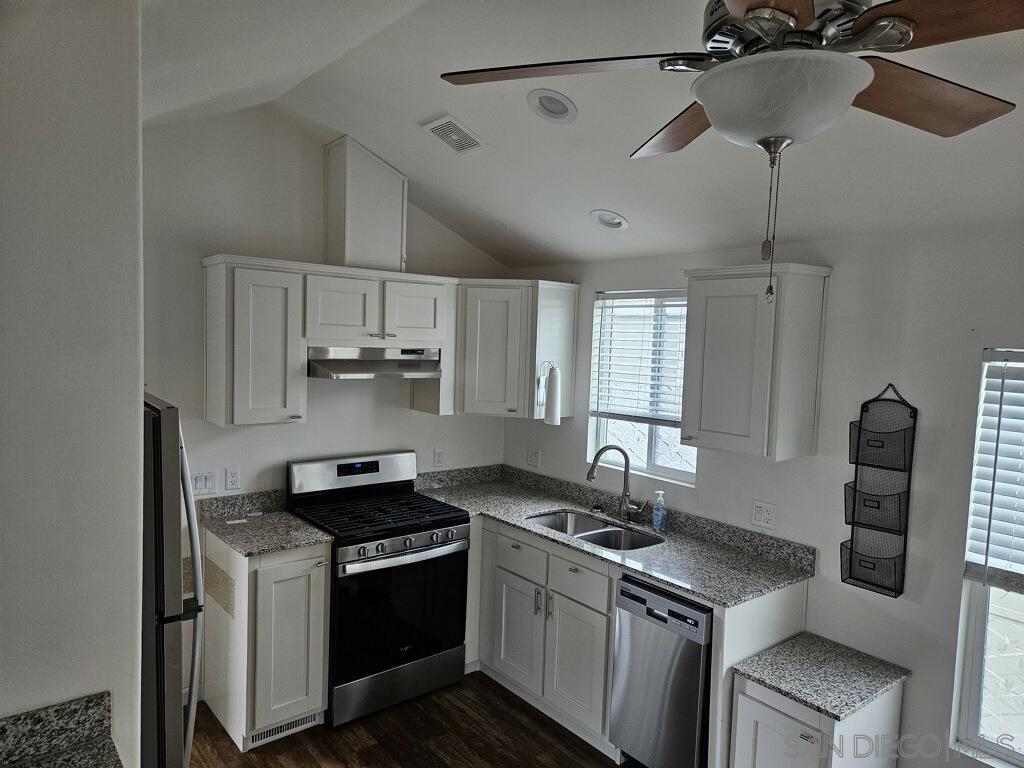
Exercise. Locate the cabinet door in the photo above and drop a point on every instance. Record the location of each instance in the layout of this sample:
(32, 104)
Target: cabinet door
(575, 660)
(493, 355)
(518, 634)
(765, 738)
(727, 376)
(342, 308)
(289, 674)
(269, 356)
(413, 311)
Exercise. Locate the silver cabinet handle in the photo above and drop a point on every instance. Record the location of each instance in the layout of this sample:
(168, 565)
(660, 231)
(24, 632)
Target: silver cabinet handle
(808, 738)
(574, 569)
(551, 601)
(687, 439)
(321, 564)
(295, 416)
(512, 410)
(376, 335)
(536, 601)
(392, 335)
(516, 546)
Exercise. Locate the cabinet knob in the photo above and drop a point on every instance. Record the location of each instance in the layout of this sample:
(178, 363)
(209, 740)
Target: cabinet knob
(515, 546)
(574, 569)
(392, 335)
(295, 416)
(376, 335)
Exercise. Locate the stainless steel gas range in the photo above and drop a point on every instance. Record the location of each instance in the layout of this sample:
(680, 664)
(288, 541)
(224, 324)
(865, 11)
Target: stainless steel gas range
(398, 595)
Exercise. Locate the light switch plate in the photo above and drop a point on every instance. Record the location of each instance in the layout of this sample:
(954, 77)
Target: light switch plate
(438, 458)
(764, 515)
(232, 479)
(204, 483)
(533, 456)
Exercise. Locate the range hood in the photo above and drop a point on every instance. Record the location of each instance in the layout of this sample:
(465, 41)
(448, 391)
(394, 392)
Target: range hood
(374, 363)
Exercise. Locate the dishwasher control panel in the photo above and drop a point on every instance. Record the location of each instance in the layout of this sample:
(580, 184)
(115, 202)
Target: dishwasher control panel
(686, 619)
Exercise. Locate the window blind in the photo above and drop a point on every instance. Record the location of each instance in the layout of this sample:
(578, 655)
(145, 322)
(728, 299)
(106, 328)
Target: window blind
(995, 535)
(637, 362)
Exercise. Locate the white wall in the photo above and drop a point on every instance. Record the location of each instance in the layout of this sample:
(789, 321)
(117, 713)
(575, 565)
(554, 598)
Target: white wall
(252, 183)
(70, 341)
(913, 310)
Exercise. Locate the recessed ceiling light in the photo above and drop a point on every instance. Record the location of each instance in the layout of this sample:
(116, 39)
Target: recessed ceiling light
(609, 219)
(552, 105)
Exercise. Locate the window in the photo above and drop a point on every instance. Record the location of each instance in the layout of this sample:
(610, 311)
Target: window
(992, 706)
(636, 381)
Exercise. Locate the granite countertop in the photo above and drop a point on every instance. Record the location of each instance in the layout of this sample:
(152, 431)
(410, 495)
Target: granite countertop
(708, 570)
(72, 734)
(828, 677)
(266, 527)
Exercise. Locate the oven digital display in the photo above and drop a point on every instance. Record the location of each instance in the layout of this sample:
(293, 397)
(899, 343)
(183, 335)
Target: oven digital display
(358, 468)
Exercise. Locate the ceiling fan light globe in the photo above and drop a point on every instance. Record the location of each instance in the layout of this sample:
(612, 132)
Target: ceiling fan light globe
(792, 93)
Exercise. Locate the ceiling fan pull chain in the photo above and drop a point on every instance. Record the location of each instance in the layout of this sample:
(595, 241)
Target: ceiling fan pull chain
(766, 246)
(775, 160)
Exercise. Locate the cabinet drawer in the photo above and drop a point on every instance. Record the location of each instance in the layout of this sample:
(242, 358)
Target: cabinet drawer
(515, 556)
(581, 584)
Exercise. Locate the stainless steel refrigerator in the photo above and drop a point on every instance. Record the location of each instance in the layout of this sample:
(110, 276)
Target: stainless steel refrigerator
(168, 712)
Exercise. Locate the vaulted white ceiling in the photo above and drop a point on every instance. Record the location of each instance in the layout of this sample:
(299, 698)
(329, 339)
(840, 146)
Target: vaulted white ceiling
(525, 196)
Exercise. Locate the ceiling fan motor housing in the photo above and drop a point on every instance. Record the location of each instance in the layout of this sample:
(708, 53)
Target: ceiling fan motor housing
(728, 37)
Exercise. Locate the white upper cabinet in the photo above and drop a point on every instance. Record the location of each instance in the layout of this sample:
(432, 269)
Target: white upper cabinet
(494, 333)
(342, 308)
(751, 376)
(365, 209)
(414, 311)
(508, 330)
(269, 368)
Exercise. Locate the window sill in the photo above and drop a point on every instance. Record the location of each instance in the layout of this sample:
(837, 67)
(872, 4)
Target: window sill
(979, 756)
(650, 475)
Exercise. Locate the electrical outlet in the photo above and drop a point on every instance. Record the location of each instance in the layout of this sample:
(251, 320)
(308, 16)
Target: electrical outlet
(764, 515)
(232, 479)
(204, 483)
(438, 458)
(533, 456)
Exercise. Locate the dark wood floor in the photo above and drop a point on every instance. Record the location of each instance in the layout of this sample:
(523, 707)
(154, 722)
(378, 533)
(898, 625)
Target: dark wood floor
(475, 724)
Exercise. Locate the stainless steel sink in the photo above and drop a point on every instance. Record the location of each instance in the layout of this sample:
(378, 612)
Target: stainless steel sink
(620, 539)
(601, 533)
(569, 521)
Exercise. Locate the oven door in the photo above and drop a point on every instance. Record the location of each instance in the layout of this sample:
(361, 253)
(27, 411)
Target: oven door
(398, 628)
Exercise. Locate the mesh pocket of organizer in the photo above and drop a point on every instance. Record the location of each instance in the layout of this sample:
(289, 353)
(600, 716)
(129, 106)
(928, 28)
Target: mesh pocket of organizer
(884, 436)
(878, 498)
(874, 560)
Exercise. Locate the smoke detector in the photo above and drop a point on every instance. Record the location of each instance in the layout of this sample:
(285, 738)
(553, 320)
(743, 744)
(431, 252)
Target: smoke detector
(454, 134)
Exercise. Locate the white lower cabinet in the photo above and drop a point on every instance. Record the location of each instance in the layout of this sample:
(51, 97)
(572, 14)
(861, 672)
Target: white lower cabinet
(772, 731)
(766, 738)
(576, 662)
(289, 652)
(542, 632)
(519, 630)
(265, 655)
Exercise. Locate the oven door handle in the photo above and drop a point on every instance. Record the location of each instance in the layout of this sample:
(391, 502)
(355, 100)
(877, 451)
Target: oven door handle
(348, 569)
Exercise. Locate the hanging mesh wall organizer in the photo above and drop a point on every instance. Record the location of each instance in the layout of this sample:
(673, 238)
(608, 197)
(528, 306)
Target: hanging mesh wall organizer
(878, 499)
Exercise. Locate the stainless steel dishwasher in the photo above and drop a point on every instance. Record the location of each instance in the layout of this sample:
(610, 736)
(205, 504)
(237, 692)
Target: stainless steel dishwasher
(660, 678)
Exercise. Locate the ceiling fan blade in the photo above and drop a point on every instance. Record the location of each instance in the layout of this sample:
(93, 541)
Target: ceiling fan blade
(554, 68)
(680, 131)
(943, 21)
(801, 10)
(925, 101)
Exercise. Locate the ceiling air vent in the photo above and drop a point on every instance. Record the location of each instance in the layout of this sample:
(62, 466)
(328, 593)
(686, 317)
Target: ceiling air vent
(453, 133)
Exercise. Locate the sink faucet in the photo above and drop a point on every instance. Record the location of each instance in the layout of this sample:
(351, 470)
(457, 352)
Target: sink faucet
(626, 507)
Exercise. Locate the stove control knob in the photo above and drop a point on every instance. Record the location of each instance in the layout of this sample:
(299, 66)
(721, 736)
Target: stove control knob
(382, 548)
(362, 551)
(435, 536)
(408, 542)
(450, 534)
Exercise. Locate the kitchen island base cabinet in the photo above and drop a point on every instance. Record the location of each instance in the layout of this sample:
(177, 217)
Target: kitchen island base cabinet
(265, 654)
(773, 731)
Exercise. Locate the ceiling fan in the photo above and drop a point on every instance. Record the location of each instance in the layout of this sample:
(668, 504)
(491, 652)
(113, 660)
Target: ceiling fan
(781, 71)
